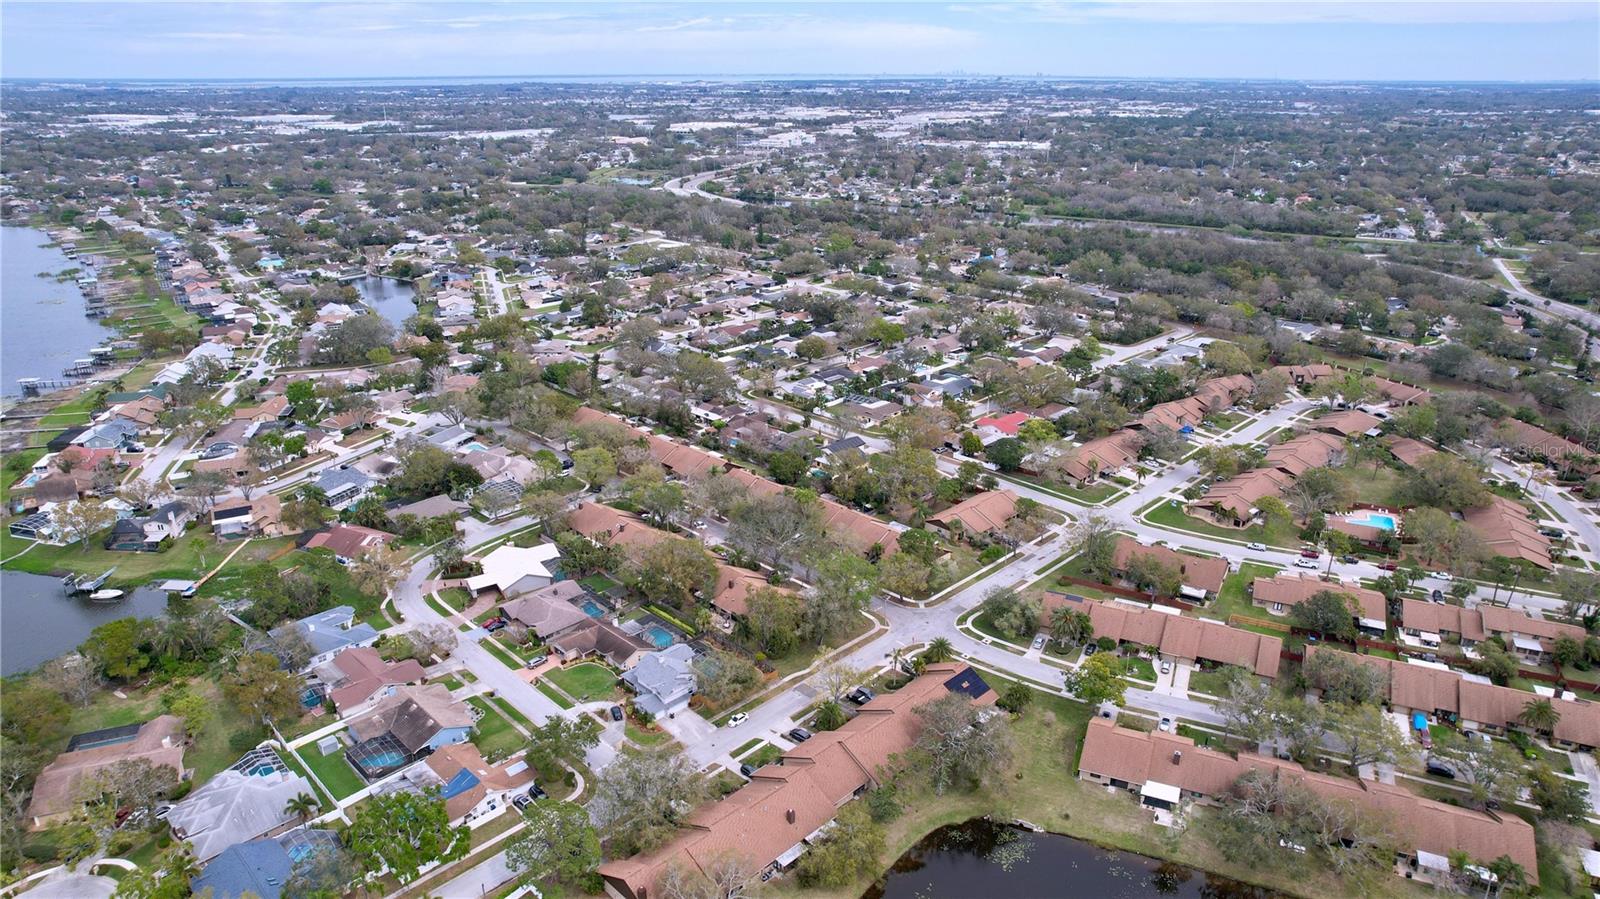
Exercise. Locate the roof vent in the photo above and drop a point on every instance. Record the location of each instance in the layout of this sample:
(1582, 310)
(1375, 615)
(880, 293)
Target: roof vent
(789, 816)
(1177, 756)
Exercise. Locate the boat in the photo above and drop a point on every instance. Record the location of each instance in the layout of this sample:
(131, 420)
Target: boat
(105, 595)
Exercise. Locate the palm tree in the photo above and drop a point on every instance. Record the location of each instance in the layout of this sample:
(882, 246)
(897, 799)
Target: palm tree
(302, 806)
(1539, 714)
(939, 650)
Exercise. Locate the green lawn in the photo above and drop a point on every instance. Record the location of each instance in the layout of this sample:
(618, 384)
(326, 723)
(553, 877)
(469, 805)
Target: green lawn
(1094, 493)
(334, 772)
(449, 682)
(599, 583)
(510, 711)
(1233, 600)
(1140, 668)
(646, 738)
(553, 693)
(193, 554)
(456, 598)
(493, 734)
(585, 681)
(1169, 516)
(747, 747)
(209, 753)
(1210, 683)
(766, 755)
(493, 649)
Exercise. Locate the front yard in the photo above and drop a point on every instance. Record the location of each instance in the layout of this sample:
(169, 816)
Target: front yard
(585, 681)
(494, 735)
(1166, 515)
(1234, 598)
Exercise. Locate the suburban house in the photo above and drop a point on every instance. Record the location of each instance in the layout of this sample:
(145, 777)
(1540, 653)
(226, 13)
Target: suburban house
(983, 513)
(600, 638)
(440, 505)
(515, 570)
(348, 541)
(344, 487)
(358, 675)
(1101, 456)
(1532, 638)
(158, 741)
(1201, 576)
(1347, 424)
(235, 807)
(469, 785)
(146, 534)
(1237, 498)
(547, 610)
(401, 726)
(1183, 639)
(663, 681)
(1410, 452)
(1506, 529)
(261, 868)
(331, 632)
(1283, 591)
(769, 821)
(239, 517)
(998, 427)
(1168, 771)
(731, 596)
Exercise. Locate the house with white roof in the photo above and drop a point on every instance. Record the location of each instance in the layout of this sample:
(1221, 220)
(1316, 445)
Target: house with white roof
(515, 570)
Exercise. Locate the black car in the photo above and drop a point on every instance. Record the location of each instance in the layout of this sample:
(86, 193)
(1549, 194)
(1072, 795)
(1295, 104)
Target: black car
(747, 770)
(616, 713)
(799, 735)
(1349, 560)
(861, 696)
(1439, 769)
(537, 792)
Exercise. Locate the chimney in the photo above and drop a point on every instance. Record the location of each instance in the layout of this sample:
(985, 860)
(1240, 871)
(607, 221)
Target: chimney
(789, 816)
(1177, 756)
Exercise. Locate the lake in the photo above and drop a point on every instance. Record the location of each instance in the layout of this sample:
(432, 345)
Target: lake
(42, 325)
(38, 621)
(395, 300)
(984, 859)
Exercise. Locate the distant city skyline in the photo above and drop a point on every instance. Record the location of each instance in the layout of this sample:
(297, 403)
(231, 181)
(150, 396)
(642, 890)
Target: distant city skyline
(1402, 41)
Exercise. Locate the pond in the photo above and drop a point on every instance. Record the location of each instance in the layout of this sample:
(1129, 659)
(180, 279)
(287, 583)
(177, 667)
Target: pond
(39, 621)
(983, 858)
(42, 325)
(395, 300)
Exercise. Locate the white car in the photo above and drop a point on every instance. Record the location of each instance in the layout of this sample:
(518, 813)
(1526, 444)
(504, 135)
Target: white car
(1443, 575)
(1166, 667)
(738, 719)
(1166, 725)
(1306, 563)
(1258, 547)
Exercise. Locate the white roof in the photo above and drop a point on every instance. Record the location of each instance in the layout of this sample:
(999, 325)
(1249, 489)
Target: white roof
(1161, 791)
(234, 807)
(1527, 644)
(1432, 861)
(508, 564)
(1591, 862)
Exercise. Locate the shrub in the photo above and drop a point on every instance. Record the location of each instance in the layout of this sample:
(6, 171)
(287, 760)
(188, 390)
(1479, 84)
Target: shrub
(246, 740)
(992, 553)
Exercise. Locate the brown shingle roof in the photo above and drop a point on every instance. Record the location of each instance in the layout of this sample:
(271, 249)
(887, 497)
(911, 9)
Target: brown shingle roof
(1506, 529)
(1291, 590)
(982, 513)
(55, 792)
(1186, 638)
(1205, 572)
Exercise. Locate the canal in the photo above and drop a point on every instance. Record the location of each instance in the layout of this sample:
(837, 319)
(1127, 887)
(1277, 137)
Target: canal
(38, 621)
(980, 858)
(395, 300)
(42, 325)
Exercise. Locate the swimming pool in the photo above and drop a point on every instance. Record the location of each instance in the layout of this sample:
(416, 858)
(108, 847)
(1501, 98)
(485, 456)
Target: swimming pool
(475, 445)
(1373, 519)
(592, 608)
(657, 636)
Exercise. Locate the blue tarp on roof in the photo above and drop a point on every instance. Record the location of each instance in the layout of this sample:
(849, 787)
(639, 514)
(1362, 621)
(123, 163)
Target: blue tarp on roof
(462, 782)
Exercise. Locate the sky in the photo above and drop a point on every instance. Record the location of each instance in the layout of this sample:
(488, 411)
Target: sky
(1291, 39)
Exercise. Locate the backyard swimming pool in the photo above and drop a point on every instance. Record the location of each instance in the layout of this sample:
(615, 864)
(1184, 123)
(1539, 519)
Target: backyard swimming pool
(475, 445)
(592, 608)
(657, 636)
(1373, 519)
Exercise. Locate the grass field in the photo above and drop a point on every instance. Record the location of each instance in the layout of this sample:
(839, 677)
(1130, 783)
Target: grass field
(493, 735)
(207, 755)
(334, 772)
(1233, 600)
(585, 681)
(553, 693)
(1169, 516)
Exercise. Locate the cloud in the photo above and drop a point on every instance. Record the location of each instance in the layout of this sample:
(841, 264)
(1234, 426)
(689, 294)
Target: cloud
(679, 26)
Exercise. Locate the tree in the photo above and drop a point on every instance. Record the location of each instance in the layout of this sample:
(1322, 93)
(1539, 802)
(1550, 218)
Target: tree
(674, 570)
(559, 844)
(404, 830)
(641, 799)
(848, 853)
(1342, 678)
(1492, 770)
(811, 347)
(324, 874)
(303, 806)
(843, 584)
(1098, 680)
(74, 678)
(433, 641)
(1226, 358)
(195, 710)
(83, 518)
(728, 874)
(260, 688)
(594, 466)
(939, 650)
(1443, 481)
(1070, 627)
(773, 619)
(167, 877)
(349, 342)
(377, 569)
(561, 738)
(1010, 614)
(723, 677)
(1328, 613)
(1441, 540)
(1580, 592)
(1495, 663)
(773, 528)
(1559, 798)
(1097, 544)
(959, 747)
(1262, 813)
(138, 785)
(117, 648)
(1006, 453)
(1369, 736)
(1539, 714)
(1243, 704)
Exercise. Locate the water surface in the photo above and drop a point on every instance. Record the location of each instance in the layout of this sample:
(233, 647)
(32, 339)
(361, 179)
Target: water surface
(392, 299)
(39, 621)
(42, 325)
(984, 860)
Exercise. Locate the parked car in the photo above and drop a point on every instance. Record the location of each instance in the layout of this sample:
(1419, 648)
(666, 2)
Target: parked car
(522, 801)
(1440, 769)
(616, 713)
(1166, 667)
(1258, 547)
(1553, 533)
(1349, 560)
(1306, 563)
(1038, 642)
(747, 770)
(799, 735)
(1090, 649)
(1311, 553)
(1443, 575)
(1166, 724)
(737, 719)
(537, 792)
(494, 624)
(1388, 566)
(861, 696)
